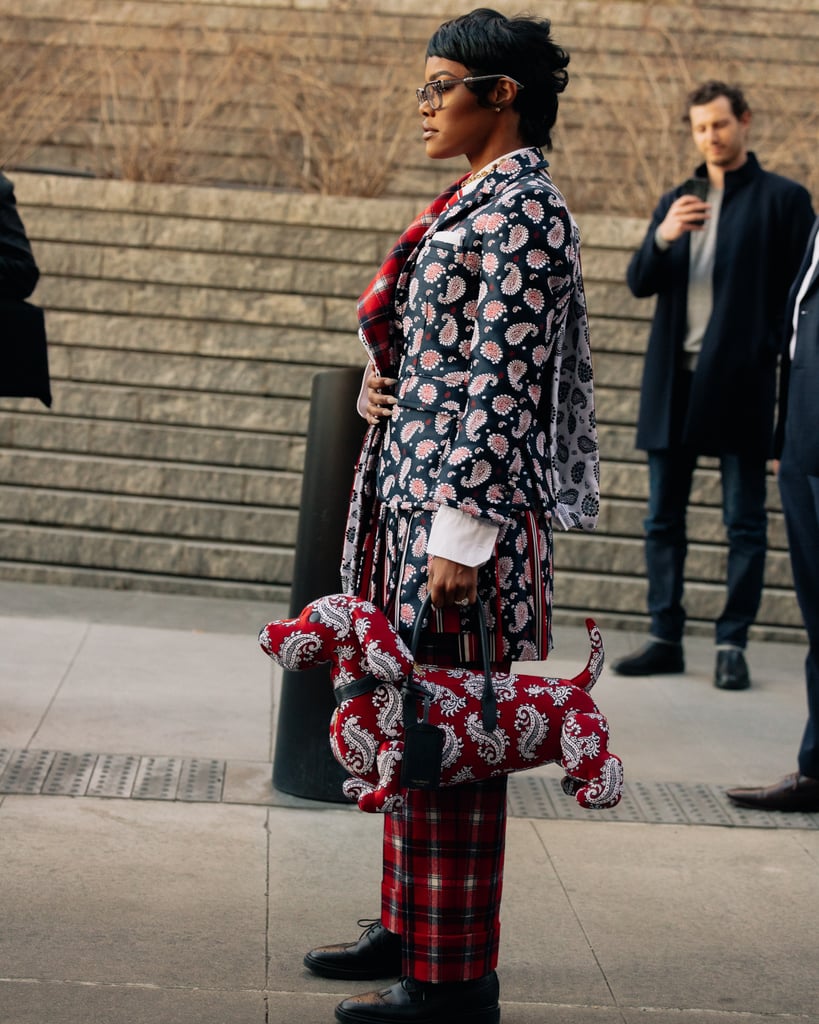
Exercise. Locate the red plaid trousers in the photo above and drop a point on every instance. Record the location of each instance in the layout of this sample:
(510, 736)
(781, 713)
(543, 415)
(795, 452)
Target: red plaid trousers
(443, 878)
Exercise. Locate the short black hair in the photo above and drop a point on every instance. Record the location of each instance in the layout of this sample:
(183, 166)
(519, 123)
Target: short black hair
(488, 42)
(712, 90)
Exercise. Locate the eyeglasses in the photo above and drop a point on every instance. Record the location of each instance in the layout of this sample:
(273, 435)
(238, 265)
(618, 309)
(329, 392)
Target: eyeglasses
(433, 92)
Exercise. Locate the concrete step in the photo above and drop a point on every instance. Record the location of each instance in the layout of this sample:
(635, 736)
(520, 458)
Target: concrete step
(624, 517)
(129, 477)
(122, 579)
(198, 374)
(168, 556)
(148, 516)
(177, 407)
(165, 443)
(221, 270)
(619, 602)
(200, 337)
(269, 234)
(625, 479)
(224, 305)
(616, 556)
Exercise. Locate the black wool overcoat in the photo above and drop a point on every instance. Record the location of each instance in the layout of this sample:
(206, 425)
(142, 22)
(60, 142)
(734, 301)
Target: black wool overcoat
(764, 224)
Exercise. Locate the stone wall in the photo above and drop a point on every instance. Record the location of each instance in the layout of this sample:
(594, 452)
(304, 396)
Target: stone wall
(185, 326)
(618, 143)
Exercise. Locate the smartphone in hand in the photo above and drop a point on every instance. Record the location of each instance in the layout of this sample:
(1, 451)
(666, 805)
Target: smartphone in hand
(695, 187)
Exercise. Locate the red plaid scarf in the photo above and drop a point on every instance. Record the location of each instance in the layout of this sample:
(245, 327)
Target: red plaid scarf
(376, 305)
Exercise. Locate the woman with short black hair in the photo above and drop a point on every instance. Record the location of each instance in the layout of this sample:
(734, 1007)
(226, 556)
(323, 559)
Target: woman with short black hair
(479, 394)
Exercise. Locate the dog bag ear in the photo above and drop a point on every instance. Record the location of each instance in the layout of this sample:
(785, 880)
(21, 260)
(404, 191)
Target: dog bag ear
(385, 653)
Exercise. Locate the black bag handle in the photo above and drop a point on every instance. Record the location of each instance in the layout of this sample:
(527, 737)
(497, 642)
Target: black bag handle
(412, 690)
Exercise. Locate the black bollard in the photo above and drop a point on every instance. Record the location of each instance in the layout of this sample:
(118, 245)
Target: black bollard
(303, 764)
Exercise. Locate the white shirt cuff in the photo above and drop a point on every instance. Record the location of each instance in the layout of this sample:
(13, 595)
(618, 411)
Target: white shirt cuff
(461, 538)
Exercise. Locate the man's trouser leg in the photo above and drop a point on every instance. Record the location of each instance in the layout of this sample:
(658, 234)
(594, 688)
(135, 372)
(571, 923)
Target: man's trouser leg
(800, 502)
(746, 521)
(670, 474)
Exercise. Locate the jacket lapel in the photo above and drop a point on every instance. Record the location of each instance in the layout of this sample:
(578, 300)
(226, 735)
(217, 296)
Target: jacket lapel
(803, 269)
(814, 281)
(461, 204)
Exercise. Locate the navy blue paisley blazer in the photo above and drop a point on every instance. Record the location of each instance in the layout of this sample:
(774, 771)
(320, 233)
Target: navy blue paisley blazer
(495, 412)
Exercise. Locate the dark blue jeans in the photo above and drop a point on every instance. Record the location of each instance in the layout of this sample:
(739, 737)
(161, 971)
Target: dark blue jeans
(746, 521)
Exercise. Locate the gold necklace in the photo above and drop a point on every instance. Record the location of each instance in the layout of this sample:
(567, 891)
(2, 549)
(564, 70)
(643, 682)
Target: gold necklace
(481, 174)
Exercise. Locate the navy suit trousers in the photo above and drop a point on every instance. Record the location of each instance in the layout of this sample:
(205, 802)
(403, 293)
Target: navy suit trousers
(800, 503)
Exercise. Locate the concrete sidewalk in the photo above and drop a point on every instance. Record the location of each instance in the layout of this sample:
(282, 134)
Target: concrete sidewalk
(185, 898)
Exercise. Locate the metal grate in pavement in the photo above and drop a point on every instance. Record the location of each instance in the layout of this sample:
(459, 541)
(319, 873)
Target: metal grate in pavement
(662, 803)
(202, 780)
(69, 774)
(157, 778)
(119, 776)
(113, 775)
(26, 771)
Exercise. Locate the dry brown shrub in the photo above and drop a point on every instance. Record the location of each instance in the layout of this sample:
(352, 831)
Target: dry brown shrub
(158, 110)
(341, 107)
(326, 113)
(334, 153)
(326, 104)
(45, 89)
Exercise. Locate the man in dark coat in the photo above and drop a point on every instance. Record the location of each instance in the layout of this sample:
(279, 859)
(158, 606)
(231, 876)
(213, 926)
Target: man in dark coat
(23, 350)
(798, 435)
(720, 255)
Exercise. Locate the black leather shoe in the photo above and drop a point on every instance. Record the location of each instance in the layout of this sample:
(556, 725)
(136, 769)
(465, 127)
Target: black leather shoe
(655, 659)
(377, 954)
(731, 672)
(463, 1002)
(794, 793)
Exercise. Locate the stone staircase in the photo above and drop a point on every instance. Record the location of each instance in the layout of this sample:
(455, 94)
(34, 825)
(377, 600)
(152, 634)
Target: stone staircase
(185, 327)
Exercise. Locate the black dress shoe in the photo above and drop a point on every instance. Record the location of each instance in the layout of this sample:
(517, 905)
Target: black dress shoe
(463, 1002)
(794, 793)
(655, 659)
(377, 954)
(732, 671)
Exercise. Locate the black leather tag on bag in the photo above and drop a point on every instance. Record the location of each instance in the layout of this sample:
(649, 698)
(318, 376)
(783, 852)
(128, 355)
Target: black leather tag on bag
(423, 747)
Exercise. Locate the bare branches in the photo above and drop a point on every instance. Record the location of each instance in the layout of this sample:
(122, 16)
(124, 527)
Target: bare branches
(155, 113)
(320, 99)
(45, 88)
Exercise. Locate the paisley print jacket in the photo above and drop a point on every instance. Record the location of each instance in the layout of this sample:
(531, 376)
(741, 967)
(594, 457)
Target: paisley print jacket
(495, 412)
(488, 336)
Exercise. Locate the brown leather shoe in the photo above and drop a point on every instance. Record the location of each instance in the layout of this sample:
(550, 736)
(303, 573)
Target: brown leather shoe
(794, 793)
